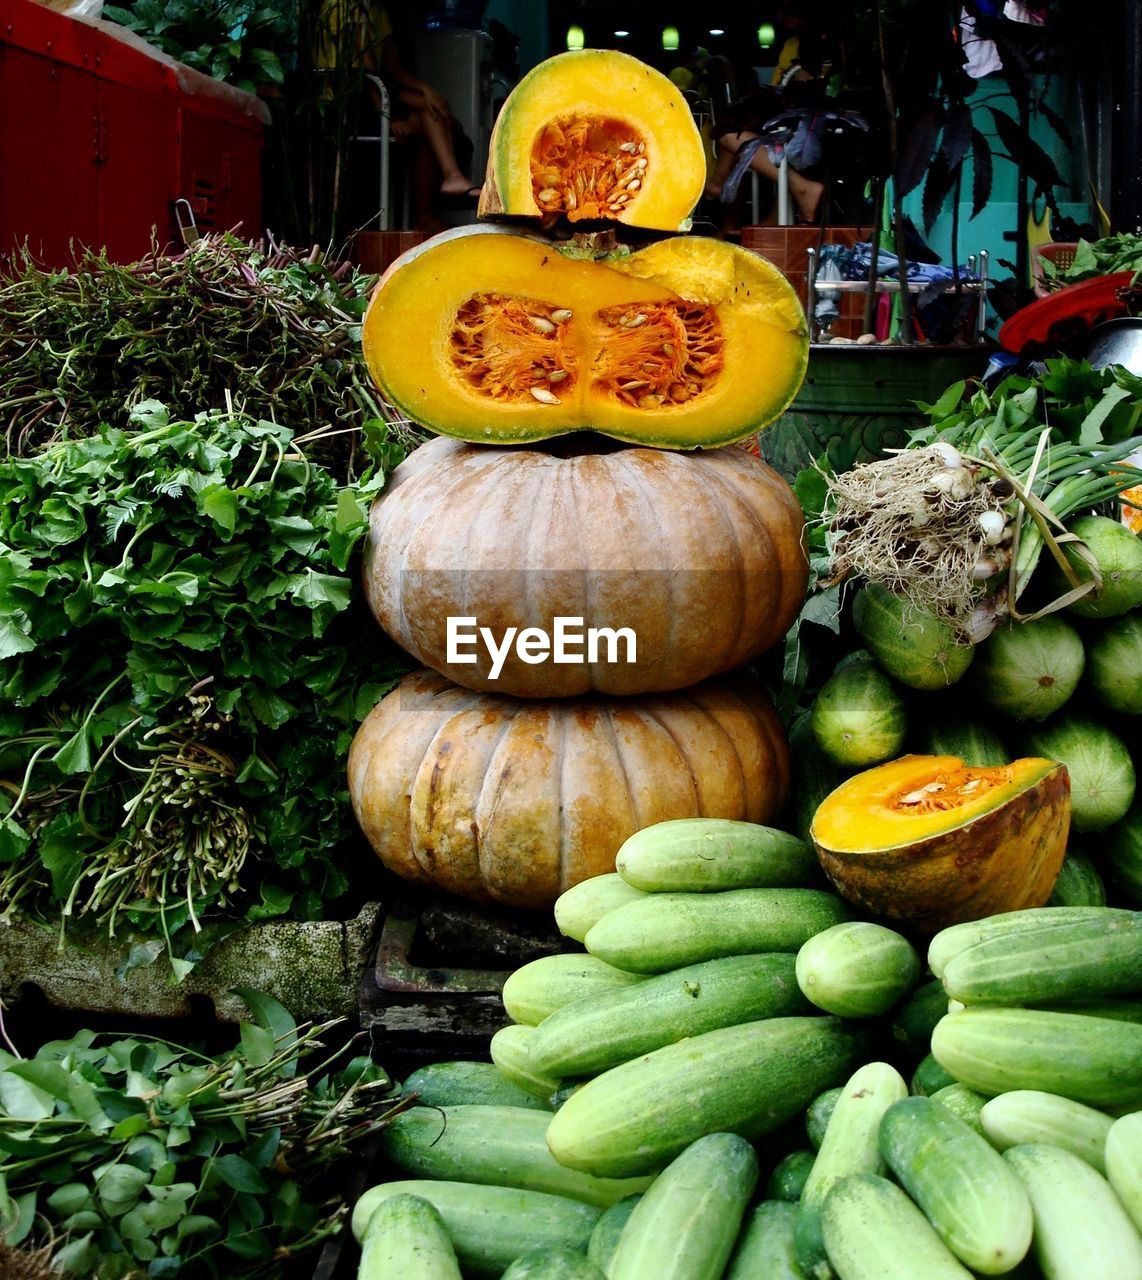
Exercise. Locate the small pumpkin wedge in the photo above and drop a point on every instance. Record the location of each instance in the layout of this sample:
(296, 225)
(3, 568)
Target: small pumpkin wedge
(499, 338)
(596, 134)
(932, 841)
(494, 798)
(698, 556)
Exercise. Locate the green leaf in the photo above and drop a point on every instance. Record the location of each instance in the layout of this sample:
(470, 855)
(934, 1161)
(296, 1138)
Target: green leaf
(23, 1100)
(824, 608)
(75, 754)
(1090, 433)
(315, 589)
(271, 1015)
(15, 636)
(66, 1087)
(129, 1127)
(221, 505)
(275, 901)
(14, 840)
(239, 1173)
(257, 1043)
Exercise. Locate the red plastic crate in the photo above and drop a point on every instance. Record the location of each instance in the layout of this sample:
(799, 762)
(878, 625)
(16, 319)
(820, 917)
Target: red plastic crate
(102, 133)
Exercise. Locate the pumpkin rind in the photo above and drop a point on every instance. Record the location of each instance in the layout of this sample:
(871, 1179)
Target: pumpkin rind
(514, 341)
(995, 856)
(699, 555)
(636, 105)
(494, 798)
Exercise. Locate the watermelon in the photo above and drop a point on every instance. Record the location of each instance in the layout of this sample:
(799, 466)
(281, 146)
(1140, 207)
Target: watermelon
(1119, 556)
(1078, 885)
(915, 648)
(859, 717)
(1101, 770)
(1028, 670)
(967, 737)
(1114, 664)
(1124, 857)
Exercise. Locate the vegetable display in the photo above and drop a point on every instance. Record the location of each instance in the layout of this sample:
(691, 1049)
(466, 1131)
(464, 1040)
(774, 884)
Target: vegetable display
(1037, 1048)
(524, 535)
(684, 343)
(166, 1160)
(596, 134)
(161, 761)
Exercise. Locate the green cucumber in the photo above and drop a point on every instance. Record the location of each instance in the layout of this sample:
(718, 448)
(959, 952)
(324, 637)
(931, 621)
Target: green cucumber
(605, 1237)
(819, 1113)
(509, 1050)
(667, 930)
(1116, 1010)
(958, 937)
(453, 1084)
(1078, 884)
(787, 1180)
(405, 1236)
(1123, 851)
(857, 969)
(929, 1076)
(994, 1050)
(1123, 1158)
(598, 1032)
(1030, 1115)
(1081, 960)
(746, 1079)
(490, 1226)
(872, 1231)
(500, 1146)
(699, 855)
(583, 905)
(1081, 1229)
(552, 1264)
(978, 1208)
(685, 1226)
(963, 1102)
(765, 1248)
(851, 1145)
(914, 1020)
(535, 990)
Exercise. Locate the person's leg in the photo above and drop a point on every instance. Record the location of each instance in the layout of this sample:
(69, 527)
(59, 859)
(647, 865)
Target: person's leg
(438, 134)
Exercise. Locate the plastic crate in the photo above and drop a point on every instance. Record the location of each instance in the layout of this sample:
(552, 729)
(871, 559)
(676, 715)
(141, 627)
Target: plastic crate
(1060, 254)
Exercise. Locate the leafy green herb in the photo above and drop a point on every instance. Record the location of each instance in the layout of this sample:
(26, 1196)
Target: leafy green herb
(137, 1157)
(266, 329)
(235, 40)
(180, 674)
(1097, 258)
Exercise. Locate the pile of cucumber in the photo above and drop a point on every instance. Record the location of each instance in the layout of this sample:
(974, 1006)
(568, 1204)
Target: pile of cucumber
(653, 1108)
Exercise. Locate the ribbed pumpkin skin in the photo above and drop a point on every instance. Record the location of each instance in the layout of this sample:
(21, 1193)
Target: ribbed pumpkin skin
(699, 554)
(495, 798)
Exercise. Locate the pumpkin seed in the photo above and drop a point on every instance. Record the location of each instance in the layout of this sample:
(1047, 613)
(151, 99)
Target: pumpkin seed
(544, 396)
(633, 184)
(564, 313)
(548, 194)
(641, 148)
(640, 164)
(633, 322)
(626, 146)
(571, 201)
(668, 348)
(541, 323)
(557, 375)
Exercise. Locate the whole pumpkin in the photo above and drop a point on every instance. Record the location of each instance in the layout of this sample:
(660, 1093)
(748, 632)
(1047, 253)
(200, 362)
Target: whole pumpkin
(700, 555)
(495, 798)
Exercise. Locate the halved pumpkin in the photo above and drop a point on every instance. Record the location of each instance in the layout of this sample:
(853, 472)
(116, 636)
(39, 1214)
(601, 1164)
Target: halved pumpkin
(932, 841)
(501, 338)
(596, 134)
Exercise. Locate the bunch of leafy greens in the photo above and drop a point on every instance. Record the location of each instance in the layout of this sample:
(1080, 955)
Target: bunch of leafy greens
(180, 676)
(264, 328)
(1098, 258)
(1070, 429)
(136, 1157)
(240, 41)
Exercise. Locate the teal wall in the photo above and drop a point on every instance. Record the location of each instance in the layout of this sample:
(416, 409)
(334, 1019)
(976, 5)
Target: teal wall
(1000, 215)
(528, 20)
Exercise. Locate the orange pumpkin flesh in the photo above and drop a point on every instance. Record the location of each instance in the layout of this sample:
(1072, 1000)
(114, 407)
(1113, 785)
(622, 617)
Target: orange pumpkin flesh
(699, 555)
(689, 342)
(930, 841)
(497, 799)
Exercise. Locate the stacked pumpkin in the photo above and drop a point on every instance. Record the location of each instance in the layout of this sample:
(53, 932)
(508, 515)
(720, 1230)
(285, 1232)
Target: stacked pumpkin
(510, 771)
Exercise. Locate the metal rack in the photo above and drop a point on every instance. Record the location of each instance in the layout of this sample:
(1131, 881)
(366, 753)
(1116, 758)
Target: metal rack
(886, 285)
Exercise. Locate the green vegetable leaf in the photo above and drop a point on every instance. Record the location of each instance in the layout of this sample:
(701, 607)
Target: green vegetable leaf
(221, 505)
(1090, 433)
(239, 1173)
